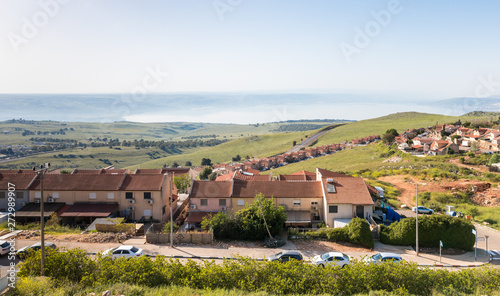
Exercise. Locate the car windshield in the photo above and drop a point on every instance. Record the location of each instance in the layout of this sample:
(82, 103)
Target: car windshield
(377, 256)
(345, 257)
(134, 249)
(325, 256)
(4, 245)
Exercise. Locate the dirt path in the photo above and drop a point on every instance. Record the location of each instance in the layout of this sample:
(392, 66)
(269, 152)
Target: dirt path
(406, 186)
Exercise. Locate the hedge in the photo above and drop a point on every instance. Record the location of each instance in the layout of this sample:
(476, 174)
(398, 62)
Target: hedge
(246, 274)
(453, 232)
(357, 232)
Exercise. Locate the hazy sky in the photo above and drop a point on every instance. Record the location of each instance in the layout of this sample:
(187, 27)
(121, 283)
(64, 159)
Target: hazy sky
(438, 49)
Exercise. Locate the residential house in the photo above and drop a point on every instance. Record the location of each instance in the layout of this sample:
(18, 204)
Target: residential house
(14, 189)
(307, 197)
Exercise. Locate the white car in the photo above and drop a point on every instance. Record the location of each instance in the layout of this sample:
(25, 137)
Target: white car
(124, 251)
(383, 257)
(4, 247)
(331, 258)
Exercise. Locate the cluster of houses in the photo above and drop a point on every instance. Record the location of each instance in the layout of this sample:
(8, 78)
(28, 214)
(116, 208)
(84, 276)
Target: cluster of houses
(267, 163)
(309, 198)
(442, 139)
(81, 196)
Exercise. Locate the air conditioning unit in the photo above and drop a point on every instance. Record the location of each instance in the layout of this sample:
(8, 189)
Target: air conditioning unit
(192, 207)
(51, 200)
(314, 207)
(150, 201)
(23, 203)
(131, 208)
(223, 208)
(37, 200)
(132, 201)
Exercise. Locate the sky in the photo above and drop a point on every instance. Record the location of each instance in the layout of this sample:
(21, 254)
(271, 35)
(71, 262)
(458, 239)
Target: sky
(424, 49)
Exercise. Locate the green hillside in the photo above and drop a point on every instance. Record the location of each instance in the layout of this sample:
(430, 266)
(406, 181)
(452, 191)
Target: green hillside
(255, 146)
(378, 126)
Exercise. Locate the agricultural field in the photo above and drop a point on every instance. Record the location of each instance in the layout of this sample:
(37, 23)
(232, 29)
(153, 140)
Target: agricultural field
(79, 136)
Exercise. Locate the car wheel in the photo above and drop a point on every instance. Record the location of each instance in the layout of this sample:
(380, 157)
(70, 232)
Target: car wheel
(322, 265)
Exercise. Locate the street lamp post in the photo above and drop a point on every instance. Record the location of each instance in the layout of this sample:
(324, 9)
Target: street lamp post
(41, 172)
(416, 240)
(171, 217)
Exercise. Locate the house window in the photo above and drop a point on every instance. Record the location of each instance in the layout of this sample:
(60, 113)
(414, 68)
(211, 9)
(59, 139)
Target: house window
(38, 194)
(241, 202)
(129, 195)
(147, 195)
(55, 194)
(2, 194)
(111, 195)
(333, 209)
(92, 195)
(163, 210)
(20, 195)
(203, 202)
(296, 202)
(222, 202)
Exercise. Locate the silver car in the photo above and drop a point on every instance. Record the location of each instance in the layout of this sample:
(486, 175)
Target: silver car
(383, 257)
(124, 251)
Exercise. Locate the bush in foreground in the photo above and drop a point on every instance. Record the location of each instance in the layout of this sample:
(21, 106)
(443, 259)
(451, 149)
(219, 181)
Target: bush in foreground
(249, 275)
(453, 232)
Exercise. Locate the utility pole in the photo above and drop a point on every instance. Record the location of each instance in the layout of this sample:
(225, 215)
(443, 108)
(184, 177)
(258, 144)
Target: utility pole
(171, 217)
(416, 226)
(41, 173)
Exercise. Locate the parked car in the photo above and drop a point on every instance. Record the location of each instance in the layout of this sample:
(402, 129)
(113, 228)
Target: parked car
(383, 257)
(422, 210)
(124, 251)
(21, 253)
(286, 256)
(337, 258)
(4, 247)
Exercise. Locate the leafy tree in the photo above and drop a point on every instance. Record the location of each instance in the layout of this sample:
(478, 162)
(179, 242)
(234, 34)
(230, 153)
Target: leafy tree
(473, 147)
(388, 138)
(450, 151)
(182, 182)
(188, 163)
(495, 158)
(206, 161)
(461, 159)
(294, 143)
(392, 131)
(248, 223)
(213, 176)
(175, 164)
(236, 158)
(205, 173)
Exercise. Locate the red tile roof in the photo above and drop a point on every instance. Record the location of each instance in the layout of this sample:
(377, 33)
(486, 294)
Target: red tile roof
(21, 181)
(211, 189)
(349, 190)
(67, 182)
(330, 174)
(277, 189)
(302, 172)
(145, 182)
(225, 177)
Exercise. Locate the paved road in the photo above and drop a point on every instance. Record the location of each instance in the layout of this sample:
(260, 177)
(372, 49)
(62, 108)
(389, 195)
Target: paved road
(306, 142)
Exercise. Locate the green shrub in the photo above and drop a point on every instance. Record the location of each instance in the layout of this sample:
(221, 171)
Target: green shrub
(275, 242)
(359, 233)
(166, 227)
(454, 232)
